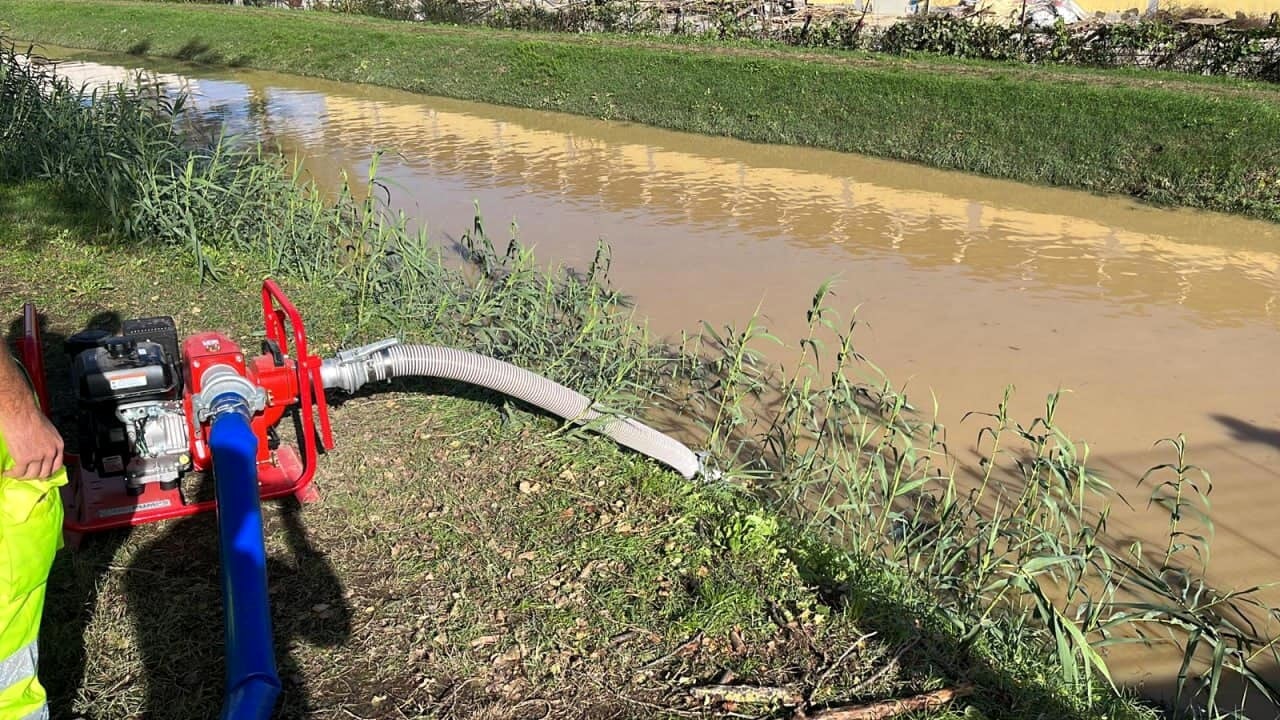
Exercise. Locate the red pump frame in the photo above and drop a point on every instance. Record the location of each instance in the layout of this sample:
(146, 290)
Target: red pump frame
(281, 473)
(30, 356)
(310, 385)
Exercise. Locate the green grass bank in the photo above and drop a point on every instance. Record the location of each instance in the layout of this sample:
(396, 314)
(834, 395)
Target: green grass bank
(1164, 138)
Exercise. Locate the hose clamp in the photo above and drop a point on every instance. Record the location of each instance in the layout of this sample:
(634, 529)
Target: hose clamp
(364, 351)
(222, 380)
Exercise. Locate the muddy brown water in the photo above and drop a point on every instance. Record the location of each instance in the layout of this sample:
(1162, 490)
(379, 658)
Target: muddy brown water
(1157, 321)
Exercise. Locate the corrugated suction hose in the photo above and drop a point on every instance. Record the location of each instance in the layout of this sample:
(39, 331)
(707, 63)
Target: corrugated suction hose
(384, 361)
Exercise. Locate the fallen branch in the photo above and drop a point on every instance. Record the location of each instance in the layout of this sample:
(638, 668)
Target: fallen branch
(893, 708)
(888, 667)
(831, 668)
(750, 694)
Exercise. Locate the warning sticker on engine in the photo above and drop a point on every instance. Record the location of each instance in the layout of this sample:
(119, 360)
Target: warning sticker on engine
(129, 510)
(126, 380)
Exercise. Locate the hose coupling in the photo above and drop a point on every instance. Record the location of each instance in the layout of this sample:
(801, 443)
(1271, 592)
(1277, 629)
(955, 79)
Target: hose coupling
(351, 369)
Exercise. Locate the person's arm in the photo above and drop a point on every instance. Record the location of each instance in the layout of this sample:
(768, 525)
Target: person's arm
(33, 441)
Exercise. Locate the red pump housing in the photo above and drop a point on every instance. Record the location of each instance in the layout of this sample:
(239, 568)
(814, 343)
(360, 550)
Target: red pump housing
(286, 371)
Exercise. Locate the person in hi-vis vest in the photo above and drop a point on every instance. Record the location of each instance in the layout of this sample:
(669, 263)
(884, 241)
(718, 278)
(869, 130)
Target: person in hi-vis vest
(30, 533)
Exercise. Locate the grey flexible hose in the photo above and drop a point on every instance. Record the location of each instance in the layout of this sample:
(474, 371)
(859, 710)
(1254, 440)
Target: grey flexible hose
(472, 368)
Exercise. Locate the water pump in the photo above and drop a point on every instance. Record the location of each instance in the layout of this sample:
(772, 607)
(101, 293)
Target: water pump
(153, 412)
(144, 405)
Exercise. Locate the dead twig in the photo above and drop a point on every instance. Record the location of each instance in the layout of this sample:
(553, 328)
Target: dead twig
(893, 708)
(545, 703)
(659, 708)
(623, 638)
(748, 694)
(888, 666)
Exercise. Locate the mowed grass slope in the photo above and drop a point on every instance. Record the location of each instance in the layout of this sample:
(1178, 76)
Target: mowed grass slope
(1163, 138)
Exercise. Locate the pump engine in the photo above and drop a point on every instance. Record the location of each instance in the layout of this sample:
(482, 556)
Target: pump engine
(129, 397)
(144, 403)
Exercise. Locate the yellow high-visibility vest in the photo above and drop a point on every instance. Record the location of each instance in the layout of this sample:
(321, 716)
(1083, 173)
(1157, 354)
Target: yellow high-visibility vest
(30, 534)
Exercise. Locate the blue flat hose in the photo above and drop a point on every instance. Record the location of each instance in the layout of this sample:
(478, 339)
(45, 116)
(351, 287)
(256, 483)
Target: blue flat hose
(252, 683)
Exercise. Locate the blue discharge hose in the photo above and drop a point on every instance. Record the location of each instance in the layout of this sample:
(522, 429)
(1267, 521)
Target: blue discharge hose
(252, 683)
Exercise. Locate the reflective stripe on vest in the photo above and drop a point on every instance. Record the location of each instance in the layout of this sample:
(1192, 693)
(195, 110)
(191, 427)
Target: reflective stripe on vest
(19, 666)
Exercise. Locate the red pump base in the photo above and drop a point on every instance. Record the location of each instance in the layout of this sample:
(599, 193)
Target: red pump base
(96, 504)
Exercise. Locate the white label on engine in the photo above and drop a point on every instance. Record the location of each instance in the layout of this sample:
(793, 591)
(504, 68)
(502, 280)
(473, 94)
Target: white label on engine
(112, 464)
(129, 510)
(124, 381)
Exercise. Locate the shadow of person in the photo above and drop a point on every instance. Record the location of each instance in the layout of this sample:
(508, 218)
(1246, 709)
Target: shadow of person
(308, 603)
(174, 595)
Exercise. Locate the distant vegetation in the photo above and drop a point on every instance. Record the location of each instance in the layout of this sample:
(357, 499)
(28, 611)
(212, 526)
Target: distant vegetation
(1162, 137)
(1237, 47)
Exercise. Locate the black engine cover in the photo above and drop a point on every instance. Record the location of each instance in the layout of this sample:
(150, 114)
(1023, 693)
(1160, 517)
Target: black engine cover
(109, 371)
(124, 371)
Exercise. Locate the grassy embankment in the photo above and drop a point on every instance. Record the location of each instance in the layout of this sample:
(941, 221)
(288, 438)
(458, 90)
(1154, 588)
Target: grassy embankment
(1161, 137)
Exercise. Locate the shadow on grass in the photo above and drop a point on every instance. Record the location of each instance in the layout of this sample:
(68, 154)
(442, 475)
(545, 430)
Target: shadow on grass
(29, 215)
(171, 589)
(172, 586)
